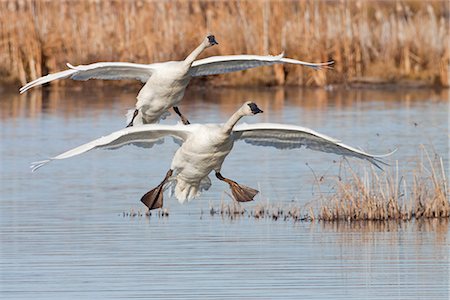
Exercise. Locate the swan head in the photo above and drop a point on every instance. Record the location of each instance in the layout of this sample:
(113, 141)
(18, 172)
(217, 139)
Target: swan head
(210, 41)
(250, 108)
(247, 109)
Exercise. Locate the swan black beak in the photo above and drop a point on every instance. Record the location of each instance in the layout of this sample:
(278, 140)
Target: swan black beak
(212, 40)
(255, 109)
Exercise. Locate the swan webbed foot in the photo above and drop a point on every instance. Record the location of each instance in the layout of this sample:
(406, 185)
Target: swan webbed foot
(153, 199)
(183, 118)
(241, 193)
(185, 121)
(132, 119)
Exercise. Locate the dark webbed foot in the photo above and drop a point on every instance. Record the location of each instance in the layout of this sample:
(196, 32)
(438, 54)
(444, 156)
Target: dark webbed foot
(132, 119)
(183, 118)
(154, 199)
(185, 121)
(241, 193)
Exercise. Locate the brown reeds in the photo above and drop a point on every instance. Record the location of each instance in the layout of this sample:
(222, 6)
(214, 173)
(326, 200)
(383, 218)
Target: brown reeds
(372, 196)
(387, 196)
(160, 213)
(371, 41)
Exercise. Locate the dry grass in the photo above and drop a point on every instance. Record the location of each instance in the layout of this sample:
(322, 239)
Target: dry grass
(369, 40)
(389, 196)
(374, 196)
(160, 213)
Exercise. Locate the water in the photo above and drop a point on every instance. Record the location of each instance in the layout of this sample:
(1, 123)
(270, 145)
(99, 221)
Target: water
(64, 235)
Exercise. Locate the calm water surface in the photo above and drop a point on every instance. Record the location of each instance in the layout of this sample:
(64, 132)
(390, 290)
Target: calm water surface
(63, 234)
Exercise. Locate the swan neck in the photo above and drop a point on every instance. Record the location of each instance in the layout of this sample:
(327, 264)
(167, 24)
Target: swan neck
(191, 57)
(228, 126)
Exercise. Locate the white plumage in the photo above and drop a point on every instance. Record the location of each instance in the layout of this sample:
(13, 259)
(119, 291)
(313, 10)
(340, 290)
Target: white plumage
(205, 147)
(166, 82)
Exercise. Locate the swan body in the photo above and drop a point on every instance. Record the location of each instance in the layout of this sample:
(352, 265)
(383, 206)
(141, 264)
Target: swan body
(205, 147)
(163, 90)
(204, 151)
(166, 82)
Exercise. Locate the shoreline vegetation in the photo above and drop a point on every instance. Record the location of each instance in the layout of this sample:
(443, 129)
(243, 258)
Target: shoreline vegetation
(374, 196)
(375, 43)
(367, 195)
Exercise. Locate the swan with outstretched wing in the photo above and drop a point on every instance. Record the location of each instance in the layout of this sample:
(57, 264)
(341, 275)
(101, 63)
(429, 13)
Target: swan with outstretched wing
(205, 147)
(166, 82)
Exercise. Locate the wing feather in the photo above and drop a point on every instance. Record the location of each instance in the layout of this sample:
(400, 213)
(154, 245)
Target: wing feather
(102, 70)
(233, 63)
(283, 136)
(47, 78)
(144, 136)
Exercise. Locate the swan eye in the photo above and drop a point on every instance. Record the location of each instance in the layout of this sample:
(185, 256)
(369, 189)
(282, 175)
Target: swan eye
(254, 108)
(212, 40)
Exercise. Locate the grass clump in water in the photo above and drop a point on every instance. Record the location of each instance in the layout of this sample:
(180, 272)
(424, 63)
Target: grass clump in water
(374, 196)
(389, 196)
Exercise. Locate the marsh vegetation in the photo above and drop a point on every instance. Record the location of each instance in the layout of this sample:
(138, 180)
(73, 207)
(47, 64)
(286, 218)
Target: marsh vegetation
(371, 41)
(361, 195)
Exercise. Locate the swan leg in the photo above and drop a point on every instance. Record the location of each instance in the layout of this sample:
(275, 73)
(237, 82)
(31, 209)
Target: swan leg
(154, 199)
(132, 119)
(183, 118)
(241, 193)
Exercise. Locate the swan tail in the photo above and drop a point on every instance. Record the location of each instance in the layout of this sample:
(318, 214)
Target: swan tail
(164, 115)
(186, 191)
(142, 119)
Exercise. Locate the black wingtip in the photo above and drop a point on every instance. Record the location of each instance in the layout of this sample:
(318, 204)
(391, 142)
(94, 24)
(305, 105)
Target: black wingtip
(378, 162)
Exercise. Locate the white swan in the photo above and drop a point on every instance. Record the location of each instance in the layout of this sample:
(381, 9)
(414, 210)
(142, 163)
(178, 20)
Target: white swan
(166, 82)
(204, 148)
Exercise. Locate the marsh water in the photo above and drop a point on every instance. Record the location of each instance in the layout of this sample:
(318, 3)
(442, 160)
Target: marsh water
(65, 232)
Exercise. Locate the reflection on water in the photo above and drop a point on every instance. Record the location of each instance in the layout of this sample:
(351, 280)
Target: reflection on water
(366, 230)
(60, 100)
(63, 234)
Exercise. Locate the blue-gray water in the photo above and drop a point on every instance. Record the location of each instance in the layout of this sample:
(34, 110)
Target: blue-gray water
(63, 234)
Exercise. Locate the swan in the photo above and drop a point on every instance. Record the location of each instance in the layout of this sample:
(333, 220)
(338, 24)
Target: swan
(204, 148)
(166, 82)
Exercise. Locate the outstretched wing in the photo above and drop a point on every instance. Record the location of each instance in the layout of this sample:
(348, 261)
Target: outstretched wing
(145, 135)
(232, 63)
(101, 70)
(283, 136)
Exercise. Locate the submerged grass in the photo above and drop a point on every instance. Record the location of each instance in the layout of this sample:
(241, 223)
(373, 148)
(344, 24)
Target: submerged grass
(372, 196)
(371, 41)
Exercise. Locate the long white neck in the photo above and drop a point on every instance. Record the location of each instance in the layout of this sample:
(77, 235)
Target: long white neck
(228, 126)
(191, 57)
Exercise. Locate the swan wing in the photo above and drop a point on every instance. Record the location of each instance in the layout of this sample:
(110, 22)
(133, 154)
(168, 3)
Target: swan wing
(232, 63)
(283, 136)
(144, 136)
(101, 70)
(47, 78)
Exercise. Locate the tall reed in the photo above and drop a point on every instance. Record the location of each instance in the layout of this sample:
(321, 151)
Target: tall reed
(369, 40)
(390, 195)
(366, 196)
